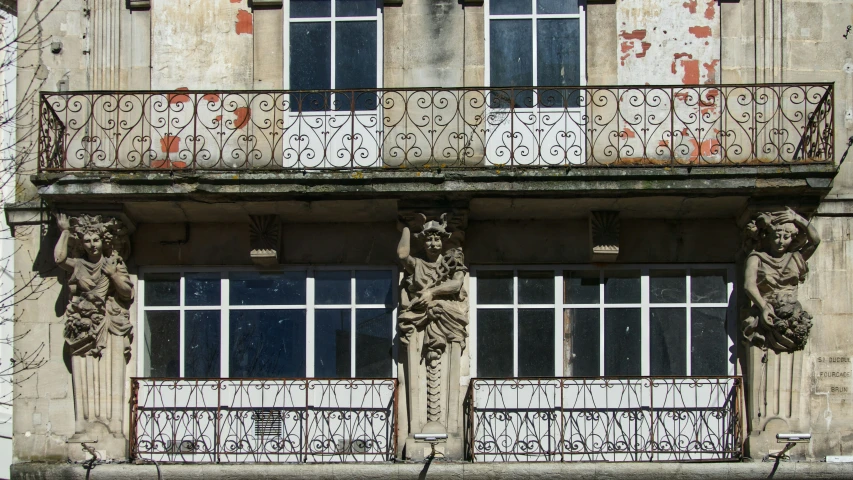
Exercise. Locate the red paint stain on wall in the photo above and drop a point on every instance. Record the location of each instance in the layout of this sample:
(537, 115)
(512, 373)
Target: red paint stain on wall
(243, 116)
(628, 133)
(705, 149)
(711, 10)
(634, 35)
(700, 32)
(211, 97)
(691, 5)
(691, 72)
(711, 69)
(177, 97)
(630, 43)
(676, 57)
(170, 144)
(244, 23)
(236, 1)
(218, 119)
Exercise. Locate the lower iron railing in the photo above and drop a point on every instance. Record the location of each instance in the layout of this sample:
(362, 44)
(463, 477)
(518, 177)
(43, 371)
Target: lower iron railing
(263, 420)
(605, 419)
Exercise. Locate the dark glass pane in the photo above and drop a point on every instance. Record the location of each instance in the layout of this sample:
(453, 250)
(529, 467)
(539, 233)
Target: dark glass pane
(267, 343)
(494, 288)
(668, 341)
(582, 286)
(310, 8)
(622, 287)
(201, 344)
(202, 289)
(332, 287)
(162, 344)
(535, 342)
(355, 8)
(310, 65)
(510, 7)
(162, 290)
(583, 337)
(667, 286)
(558, 52)
(373, 287)
(708, 286)
(332, 344)
(275, 288)
(494, 343)
(511, 59)
(709, 345)
(622, 342)
(548, 7)
(355, 64)
(374, 330)
(535, 287)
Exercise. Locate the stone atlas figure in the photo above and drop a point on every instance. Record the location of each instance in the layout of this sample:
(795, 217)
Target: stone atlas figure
(433, 319)
(779, 245)
(98, 331)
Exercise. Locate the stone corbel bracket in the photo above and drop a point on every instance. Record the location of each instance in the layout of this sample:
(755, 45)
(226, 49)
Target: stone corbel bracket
(603, 236)
(264, 239)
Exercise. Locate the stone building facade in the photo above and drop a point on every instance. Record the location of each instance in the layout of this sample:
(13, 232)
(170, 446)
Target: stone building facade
(291, 232)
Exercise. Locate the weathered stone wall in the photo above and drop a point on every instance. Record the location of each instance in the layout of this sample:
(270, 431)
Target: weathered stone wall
(668, 42)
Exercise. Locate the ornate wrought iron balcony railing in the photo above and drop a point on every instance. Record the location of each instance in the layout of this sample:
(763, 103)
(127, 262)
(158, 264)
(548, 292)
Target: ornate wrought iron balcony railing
(263, 420)
(605, 419)
(437, 128)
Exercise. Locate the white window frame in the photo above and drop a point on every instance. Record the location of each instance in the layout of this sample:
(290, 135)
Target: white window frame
(644, 305)
(333, 20)
(225, 308)
(533, 17)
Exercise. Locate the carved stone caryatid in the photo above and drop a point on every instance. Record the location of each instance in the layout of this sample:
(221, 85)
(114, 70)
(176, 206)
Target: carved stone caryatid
(433, 322)
(778, 246)
(98, 331)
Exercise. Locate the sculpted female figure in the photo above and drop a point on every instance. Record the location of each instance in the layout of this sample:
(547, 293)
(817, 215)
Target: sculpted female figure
(780, 245)
(97, 323)
(433, 301)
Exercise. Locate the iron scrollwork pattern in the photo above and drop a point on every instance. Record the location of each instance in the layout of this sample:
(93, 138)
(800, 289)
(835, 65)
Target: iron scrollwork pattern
(264, 420)
(437, 128)
(607, 419)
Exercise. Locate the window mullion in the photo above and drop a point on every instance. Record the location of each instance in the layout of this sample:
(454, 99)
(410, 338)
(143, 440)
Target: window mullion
(309, 323)
(559, 332)
(352, 324)
(645, 336)
(515, 323)
(689, 327)
(225, 326)
(601, 311)
(182, 329)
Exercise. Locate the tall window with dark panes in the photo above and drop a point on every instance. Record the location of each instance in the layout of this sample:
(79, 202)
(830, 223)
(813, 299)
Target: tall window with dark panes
(614, 322)
(333, 44)
(318, 322)
(536, 43)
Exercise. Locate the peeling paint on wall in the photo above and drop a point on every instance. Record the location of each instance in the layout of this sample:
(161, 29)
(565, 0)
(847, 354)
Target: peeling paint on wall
(668, 42)
(210, 45)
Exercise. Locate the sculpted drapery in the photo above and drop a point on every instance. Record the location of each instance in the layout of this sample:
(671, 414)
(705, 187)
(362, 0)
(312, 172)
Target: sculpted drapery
(778, 244)
(434, 303)
(98, 331)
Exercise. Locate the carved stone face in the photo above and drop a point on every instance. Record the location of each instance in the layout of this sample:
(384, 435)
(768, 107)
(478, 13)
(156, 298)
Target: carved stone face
(93, 245)
(780, 239)
(433, 246)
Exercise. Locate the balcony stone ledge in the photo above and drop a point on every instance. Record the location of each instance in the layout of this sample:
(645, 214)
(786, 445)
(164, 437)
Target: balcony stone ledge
(440, 470)
(811, 180)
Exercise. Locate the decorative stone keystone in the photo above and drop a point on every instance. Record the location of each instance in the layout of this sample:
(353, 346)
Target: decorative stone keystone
(264, 238)
(604, 236)
(433, 326)
(98, 331)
